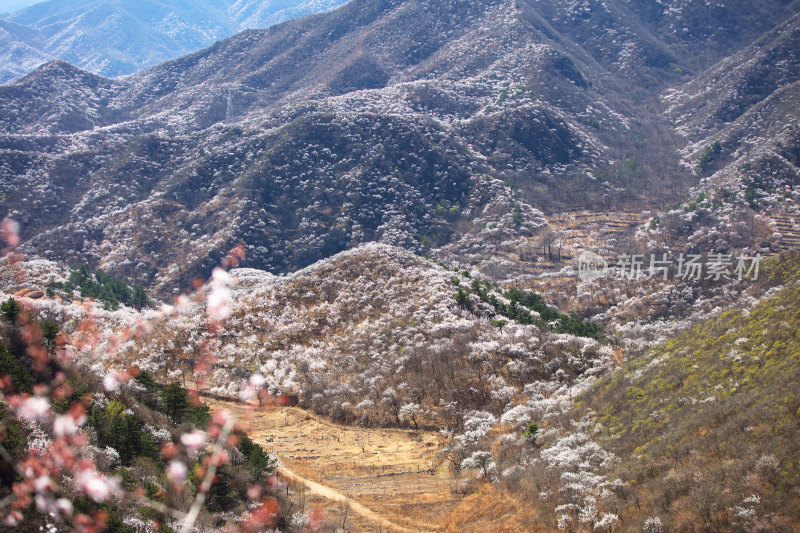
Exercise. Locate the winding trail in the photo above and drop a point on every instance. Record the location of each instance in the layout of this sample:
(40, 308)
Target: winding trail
(334, 495)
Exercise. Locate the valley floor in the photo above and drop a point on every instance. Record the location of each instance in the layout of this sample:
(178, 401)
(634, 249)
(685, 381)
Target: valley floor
(362, 478)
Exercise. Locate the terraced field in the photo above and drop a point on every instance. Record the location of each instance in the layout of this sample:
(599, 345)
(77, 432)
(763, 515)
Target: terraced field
(789, 228)
(371, 479)
(590, 230)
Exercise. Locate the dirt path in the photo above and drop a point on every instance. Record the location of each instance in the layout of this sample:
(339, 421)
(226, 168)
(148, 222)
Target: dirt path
(336, 496)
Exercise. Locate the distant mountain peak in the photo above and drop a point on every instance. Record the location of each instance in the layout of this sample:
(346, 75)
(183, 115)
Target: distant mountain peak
(54, 73)
(120, 38)
(55, 67)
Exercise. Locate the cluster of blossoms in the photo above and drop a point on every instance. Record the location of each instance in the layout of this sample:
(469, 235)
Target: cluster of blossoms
(60, 465)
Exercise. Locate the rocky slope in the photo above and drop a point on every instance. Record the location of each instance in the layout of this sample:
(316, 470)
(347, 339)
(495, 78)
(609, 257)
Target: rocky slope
(415, 123)
(740, 119)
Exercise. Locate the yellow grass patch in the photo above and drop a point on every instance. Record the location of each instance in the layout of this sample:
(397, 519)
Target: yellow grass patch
(491, 510)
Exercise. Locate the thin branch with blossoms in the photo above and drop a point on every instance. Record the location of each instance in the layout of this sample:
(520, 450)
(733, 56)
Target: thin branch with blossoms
(62, 457)
(216, 456)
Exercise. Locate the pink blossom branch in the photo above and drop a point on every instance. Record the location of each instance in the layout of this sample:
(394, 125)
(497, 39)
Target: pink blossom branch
(200, 499)
(160, 507)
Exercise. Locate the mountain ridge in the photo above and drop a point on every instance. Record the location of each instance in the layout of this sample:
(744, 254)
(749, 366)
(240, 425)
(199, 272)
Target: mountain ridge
(470, 109)
(118, 39)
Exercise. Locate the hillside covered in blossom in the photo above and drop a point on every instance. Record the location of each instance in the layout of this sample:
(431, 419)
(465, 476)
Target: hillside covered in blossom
(373, 122)
(410, 265)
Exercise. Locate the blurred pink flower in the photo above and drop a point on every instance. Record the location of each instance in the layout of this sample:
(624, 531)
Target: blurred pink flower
(65, 506)
(194, 441)
(177, 472)
(43, 483)
(64, 426)
(34, 408)
(110, 382)
(96, 486)
(219, 299)
(9, 231)
(257, 380)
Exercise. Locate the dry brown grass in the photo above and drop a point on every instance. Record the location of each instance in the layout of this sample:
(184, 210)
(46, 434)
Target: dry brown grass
(491, 510)
(395, 473)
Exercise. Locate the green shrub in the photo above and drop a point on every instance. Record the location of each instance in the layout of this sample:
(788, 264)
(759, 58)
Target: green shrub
(21, 379)
(708, 156)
